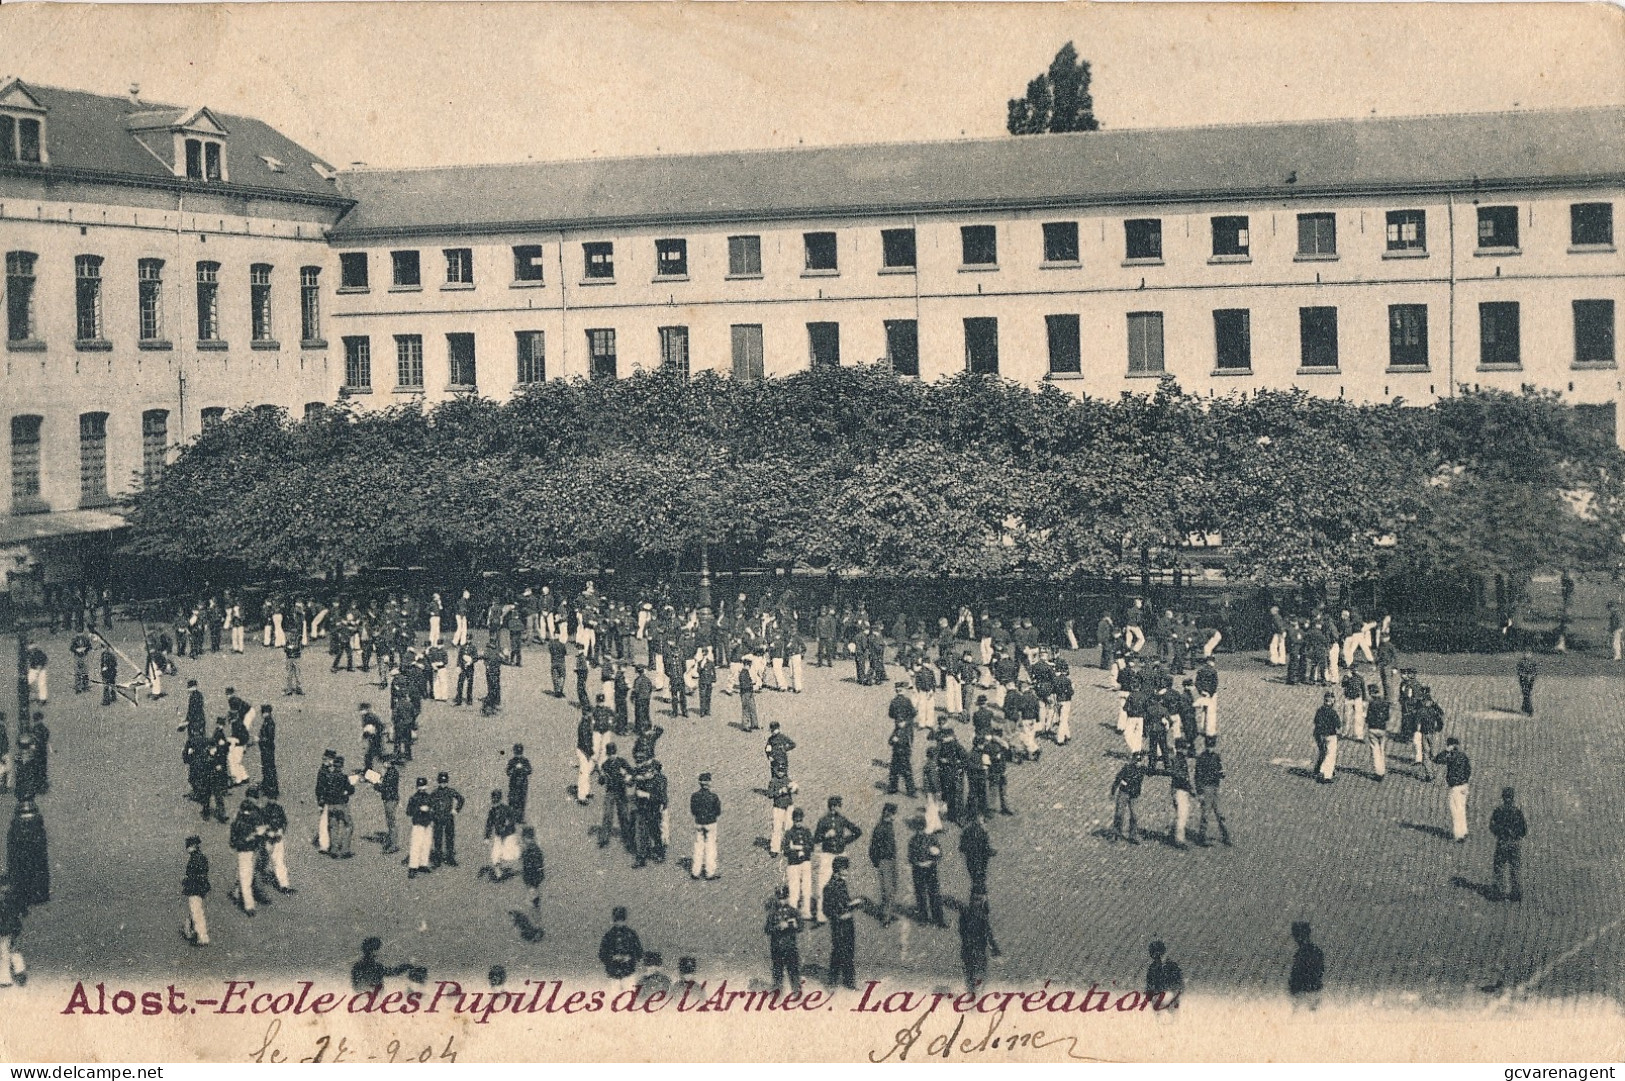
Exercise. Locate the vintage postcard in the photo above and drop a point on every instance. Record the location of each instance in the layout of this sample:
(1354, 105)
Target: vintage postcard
(812, 532)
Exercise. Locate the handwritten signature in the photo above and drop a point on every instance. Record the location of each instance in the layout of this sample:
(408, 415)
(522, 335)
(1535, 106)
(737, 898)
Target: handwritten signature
(322, 1049)
(993, 1041)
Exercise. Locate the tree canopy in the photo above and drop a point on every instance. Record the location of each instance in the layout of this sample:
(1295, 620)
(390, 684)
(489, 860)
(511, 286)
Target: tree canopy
(858, 470)
(1057, 100)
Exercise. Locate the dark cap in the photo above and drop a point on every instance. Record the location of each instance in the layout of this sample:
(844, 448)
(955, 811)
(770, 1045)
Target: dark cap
(842, 863)
(705, 778)
(890, 808)
(194, 841)
(423, 782)
(444, 778)
(835, 801)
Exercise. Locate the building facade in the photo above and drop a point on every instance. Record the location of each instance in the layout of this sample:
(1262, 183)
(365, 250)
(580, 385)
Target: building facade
(165, 265)
(1371, 260)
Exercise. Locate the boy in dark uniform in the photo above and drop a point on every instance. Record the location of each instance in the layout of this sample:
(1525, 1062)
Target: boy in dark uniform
(838, 906)
(195, 887)
(783, 925)
(446, 803)
(519, 770)
(924, 855)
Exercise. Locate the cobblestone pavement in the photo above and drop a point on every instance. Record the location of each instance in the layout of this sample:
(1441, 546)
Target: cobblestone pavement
(1398, 908)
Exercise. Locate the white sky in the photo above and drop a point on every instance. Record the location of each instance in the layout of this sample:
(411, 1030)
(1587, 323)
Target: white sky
(399, 84)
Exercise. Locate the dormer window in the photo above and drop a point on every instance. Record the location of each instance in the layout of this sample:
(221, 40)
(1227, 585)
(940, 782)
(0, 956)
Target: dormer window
(205, 160)
(22, 124)
(20, 139)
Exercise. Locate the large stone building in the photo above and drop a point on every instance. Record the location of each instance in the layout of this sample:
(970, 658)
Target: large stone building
(1369, 259)
(164, 263)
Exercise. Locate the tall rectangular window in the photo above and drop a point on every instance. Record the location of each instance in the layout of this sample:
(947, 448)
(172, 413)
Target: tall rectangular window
(1233, 340)
(154, 445)
(353, 270)
(982, 345)
(527, 262)
(20, 296)
(406, 270)
(819, 251)
(29, 141)
(601, 353)
(150, 298)
(671, 258)
(897, 249)
(213, 162)
(409, 361)
(460, 358)
(92, 459)
(358, 363)
(1498, 334)
(532, 357)
(824, 345)
(208, 302)
(1145, 342)
(979, 245)
(1317, 235)
(599, 257)
(1593, 332)
(1497, 227)
(310, 304)
(1408, 335)
(1060, 242)
(1591, 224)
(744, 257)
(259, 287)
(8, 138)
(903, 346)
(459, 266)
(1142, 239)
(1317, 337)
(1065, 347)
(194, 159)
(211, 417)
(1231, 237)
(1407, 230)
(25, 464)
(747, 351)
(674, 350)
(87, 272)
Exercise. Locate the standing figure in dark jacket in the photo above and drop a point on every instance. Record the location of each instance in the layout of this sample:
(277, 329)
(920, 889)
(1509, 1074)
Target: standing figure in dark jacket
(1509, 828)
(976, 939)
(448, 804)
(1308, 969)
(28, 863)
(195, 887)
(270, 785)
(620, 951)
(519, 770)
(1527, 671)
(977, 848)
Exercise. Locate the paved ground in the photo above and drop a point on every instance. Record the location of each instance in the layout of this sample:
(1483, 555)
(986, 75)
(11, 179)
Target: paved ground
(1397, 907)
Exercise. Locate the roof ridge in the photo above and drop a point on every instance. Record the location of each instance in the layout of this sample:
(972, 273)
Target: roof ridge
(970, 140)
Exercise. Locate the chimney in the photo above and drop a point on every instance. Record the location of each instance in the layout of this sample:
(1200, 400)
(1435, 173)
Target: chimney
(135, 93)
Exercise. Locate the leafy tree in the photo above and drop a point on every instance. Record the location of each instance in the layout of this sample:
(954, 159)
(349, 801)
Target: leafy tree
(1057, 100)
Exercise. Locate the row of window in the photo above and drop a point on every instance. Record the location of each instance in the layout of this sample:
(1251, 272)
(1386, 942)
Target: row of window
(1500, 345)
(26, 463)
(90, 323)
(1591, 225)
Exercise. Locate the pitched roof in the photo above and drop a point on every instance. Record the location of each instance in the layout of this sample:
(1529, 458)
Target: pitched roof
(1420, 153)
(101, 135)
